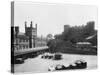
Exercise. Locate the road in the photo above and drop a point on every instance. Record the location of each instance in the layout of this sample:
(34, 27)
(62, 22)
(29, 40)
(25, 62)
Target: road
(41, 65)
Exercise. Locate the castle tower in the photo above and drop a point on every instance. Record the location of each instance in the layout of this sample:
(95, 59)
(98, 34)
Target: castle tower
(66, 28)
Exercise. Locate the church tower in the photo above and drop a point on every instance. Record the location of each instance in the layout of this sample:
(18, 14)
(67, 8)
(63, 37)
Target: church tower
(31, 32)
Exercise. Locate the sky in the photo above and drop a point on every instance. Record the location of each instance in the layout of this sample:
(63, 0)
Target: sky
(51, 18)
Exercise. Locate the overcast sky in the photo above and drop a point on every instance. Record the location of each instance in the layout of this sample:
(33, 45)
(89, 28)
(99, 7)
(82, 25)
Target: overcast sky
(51, 18)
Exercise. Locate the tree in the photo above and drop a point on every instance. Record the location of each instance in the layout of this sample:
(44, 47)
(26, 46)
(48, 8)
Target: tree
(58, 36)
(49, 36)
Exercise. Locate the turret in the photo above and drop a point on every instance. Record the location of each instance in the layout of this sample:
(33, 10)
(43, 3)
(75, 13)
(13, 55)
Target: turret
(36, 29)
(16, 30)
(31, 25)
(25, 26)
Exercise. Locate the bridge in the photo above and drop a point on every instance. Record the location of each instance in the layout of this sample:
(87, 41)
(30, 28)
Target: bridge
(30, 50)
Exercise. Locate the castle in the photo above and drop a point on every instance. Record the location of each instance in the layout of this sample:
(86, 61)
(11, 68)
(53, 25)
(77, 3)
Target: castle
(29, 39)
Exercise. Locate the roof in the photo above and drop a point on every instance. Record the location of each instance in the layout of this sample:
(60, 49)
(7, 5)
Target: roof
(43, 38)
(22, 35)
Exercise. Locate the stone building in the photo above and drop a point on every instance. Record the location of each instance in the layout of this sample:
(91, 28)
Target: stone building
(31, 32)
(29, 39)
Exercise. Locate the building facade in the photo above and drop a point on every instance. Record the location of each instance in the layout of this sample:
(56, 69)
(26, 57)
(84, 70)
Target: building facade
(29, 39)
